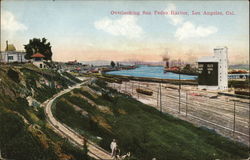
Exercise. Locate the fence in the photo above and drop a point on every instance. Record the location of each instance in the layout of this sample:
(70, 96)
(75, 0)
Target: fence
(229, 116)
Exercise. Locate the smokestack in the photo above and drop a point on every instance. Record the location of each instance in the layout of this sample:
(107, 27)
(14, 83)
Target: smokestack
(167, 64)
(166, 59)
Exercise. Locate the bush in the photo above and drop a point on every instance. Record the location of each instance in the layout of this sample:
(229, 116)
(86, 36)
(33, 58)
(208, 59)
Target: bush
(17, 143)
(70, 76)
(13, 75)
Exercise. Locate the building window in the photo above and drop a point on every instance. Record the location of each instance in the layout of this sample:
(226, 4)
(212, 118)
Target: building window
(10, 57)
(37, 59)
(41, 65)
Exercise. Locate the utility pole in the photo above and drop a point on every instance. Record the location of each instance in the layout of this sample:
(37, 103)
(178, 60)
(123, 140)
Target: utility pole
(234, 120)
(179, 78)
(186, 103)
(157, 98)
(249, 124)
(125, 83)
(179, 90)
(160, 97)
(139, 88)
(166, 97)
(7, 48)
(132, 88)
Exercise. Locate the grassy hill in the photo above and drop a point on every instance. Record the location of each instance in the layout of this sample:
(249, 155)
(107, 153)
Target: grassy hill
(140, 129)
(24, 132)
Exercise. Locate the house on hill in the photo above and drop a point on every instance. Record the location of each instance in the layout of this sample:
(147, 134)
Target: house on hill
(12, 55)
(38, 60)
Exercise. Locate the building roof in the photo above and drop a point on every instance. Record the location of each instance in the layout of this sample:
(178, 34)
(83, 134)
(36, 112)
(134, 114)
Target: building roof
(37, 55)
(10, 47)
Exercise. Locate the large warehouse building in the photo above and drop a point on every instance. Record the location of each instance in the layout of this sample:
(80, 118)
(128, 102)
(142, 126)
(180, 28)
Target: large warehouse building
(213, 70)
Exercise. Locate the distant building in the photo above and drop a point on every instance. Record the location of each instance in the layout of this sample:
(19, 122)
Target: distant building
(213, 70)
(37, 60)
(12, 55)
(242, 76)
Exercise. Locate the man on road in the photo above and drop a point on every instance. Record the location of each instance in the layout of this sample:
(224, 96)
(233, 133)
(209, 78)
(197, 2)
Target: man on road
(113, 146)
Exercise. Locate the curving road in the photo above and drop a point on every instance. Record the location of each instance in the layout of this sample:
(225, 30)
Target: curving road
(65, 131)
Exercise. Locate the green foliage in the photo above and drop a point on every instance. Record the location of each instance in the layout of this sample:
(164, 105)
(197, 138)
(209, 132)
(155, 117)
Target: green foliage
(147, 133)
(112, 63)
(20, 106)
(101, 83)
(17, 143)
(86, 125)
(73, 150)
(70, 76)
(13, 75)
(37, 45)
(187, 67)
(18, 138)
(44, 92)
(40, 113)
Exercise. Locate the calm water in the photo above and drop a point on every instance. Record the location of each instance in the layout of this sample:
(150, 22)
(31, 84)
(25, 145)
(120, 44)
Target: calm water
(148, 71)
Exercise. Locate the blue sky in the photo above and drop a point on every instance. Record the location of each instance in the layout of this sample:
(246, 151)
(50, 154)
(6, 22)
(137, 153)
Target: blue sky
(86, 30)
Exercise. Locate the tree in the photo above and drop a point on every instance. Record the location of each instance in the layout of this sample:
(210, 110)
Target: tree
(112, 63)
(36, 45)
(187, 67)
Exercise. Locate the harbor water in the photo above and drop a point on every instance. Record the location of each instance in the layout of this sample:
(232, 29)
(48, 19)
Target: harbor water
(151, 72)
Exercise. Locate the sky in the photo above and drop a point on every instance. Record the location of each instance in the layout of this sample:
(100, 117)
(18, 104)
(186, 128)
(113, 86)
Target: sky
(98, 30)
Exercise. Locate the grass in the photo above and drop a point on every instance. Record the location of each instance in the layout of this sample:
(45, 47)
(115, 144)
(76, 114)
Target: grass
(21, 140)
(84, 125)
(144, 131)
(70, 76)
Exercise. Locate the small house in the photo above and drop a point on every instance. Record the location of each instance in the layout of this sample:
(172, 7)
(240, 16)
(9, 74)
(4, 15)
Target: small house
(38, 60)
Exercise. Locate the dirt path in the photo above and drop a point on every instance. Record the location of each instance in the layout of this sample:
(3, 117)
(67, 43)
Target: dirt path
(65, 131)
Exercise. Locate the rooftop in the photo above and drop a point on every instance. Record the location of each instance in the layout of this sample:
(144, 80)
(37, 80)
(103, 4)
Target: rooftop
(37, 55)
(10, 47)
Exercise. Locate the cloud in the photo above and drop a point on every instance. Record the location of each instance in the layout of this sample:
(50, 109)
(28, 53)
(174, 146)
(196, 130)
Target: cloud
(125, 26)
(189, 30)
(9, 22)
(174, 19)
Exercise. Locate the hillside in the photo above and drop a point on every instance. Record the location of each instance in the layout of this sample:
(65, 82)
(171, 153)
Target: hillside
(24, 132)
(98, 113)
(102, 114)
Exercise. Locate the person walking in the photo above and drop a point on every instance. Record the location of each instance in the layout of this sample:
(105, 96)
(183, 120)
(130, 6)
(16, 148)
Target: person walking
(113, 147)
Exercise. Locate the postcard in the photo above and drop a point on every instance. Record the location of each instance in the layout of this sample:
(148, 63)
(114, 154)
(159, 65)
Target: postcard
(124, 80)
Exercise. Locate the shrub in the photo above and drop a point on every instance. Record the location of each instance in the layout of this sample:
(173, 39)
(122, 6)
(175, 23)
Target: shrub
(13, 75)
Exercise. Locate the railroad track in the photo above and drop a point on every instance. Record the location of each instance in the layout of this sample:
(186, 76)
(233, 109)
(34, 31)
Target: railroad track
(201, 110)
(94, 151)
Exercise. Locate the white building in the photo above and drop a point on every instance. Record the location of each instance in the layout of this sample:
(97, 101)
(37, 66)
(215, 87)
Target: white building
(213, 70)
(11, 55)
(37, 60)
